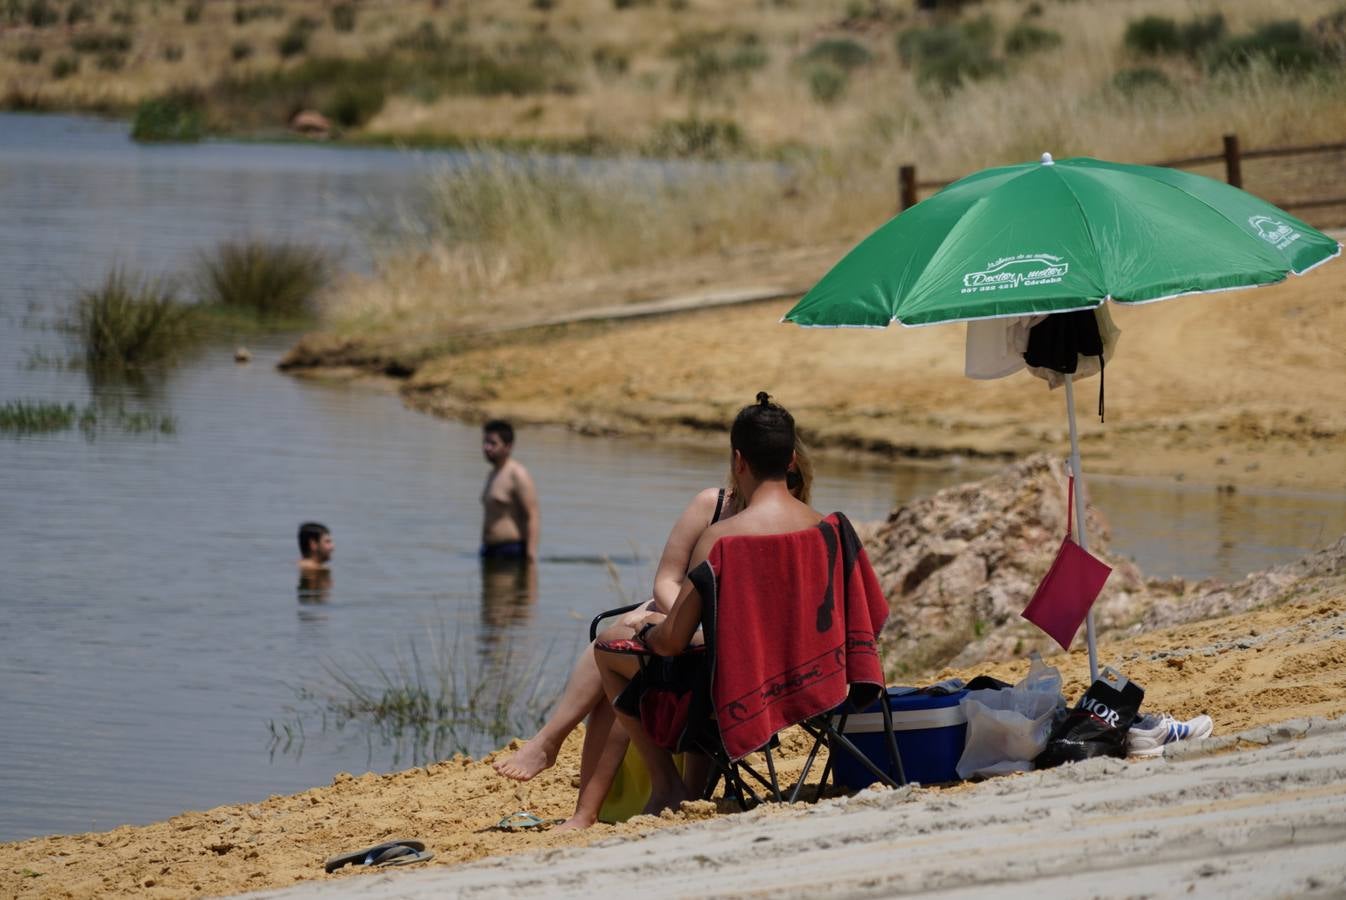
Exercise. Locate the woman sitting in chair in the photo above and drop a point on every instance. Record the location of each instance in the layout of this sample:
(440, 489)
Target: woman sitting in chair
(583, 697)
(762, 442)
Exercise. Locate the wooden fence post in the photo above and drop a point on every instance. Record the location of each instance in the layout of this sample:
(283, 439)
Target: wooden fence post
(906, 187)
(1233, 170)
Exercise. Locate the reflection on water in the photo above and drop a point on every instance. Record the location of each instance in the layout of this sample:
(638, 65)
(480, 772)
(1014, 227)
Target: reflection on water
(508, 595)
(315, 587)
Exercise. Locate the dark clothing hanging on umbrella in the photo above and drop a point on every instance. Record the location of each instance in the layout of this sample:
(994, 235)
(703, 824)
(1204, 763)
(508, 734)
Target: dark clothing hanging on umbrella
(1058, 341)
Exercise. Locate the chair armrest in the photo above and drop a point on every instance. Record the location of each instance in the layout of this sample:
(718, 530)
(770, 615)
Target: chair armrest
(593, 626)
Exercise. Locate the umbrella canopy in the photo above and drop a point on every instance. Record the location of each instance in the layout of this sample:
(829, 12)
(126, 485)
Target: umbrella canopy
(1055, 236)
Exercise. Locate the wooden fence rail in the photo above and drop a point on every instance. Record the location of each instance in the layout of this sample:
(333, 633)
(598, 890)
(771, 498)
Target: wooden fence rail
(1232, 155)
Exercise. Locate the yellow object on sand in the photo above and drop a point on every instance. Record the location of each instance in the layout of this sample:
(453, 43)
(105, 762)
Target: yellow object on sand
(630, 790)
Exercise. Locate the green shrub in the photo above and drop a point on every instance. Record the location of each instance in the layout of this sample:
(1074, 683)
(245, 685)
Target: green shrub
(172, 53)
(170, 118)
(191, 13)
(609, 60)
(111, 62)
(842, 53)
(125, 17)
(1162, 36)
(343, 17)
(1024, 39)
(292, 43)
(827, 82)
(949, 55)
(270, 280)
(100, 42)
(29, 54)
(697, 137)
(240, 50)
(64, 67)
(41, 13)
(129, 322)
(1286, 45)
(1153, 36)
(353, 104)
(1202, 33)
(707, 60)
(79, 11)
(245, 14)
(1141, 80)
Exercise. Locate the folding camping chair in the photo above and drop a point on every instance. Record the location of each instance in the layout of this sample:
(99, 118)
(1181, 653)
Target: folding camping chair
(702, 731)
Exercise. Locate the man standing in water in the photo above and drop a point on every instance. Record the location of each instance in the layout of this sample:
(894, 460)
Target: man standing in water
(510, 524)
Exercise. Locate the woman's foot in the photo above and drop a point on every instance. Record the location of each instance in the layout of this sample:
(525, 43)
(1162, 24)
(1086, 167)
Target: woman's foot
(676, 796)
(526, 762)
(575, 823)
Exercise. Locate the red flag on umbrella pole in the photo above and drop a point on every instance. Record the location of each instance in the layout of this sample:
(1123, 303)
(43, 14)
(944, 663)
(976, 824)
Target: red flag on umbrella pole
(1071, 585)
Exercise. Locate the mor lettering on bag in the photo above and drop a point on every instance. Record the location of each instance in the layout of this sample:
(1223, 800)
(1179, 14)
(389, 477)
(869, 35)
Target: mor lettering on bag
(1101, 710)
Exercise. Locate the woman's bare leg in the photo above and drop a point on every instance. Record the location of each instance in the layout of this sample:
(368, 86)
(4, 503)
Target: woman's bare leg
(605, 744)
(583, 692)
(666, 787)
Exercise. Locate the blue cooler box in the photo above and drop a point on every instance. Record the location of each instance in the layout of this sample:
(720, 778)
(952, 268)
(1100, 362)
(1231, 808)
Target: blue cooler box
(930, 732)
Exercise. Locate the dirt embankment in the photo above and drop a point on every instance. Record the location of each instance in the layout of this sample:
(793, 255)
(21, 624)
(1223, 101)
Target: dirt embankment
(1231, 389)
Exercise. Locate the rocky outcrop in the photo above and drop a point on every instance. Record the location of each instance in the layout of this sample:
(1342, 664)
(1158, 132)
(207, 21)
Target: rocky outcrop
(1209, 599)
(958, 568)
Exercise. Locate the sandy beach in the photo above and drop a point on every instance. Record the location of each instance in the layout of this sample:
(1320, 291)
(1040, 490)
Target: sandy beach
(1281, 662)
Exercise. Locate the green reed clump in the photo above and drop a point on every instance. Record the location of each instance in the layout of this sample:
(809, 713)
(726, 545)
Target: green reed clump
(269, 280)
(172, 118)
(130, 322)
(429, 703)
(28, 417)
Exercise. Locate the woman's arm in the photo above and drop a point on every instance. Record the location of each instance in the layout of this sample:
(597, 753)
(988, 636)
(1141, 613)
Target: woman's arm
(675, 561)
(672, 635)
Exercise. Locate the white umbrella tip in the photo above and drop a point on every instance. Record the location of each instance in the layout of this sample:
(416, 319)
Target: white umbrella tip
(1047, 160)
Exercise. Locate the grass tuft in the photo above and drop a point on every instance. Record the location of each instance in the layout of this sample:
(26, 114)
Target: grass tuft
(268, 280)
(129, 323)
(22, 418)
(428, 705)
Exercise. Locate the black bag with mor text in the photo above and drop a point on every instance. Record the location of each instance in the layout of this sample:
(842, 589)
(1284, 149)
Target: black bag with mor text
(1097, 725)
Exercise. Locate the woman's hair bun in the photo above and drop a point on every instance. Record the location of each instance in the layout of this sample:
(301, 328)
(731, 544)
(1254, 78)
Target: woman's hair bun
(763, 398)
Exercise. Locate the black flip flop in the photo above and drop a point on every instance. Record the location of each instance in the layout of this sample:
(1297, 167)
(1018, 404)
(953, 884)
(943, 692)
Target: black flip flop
(390, 853)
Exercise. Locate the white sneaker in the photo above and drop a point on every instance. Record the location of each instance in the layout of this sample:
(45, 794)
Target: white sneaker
(1151, 733)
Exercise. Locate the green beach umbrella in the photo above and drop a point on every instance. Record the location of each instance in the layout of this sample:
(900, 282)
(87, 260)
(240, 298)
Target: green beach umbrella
(1057, 236)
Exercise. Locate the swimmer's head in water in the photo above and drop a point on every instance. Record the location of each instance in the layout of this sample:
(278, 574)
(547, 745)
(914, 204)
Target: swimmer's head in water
(764, 434)
(315, 542)
(497, 439)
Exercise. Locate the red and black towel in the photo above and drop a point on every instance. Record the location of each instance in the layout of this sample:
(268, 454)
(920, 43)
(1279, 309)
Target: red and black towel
(792, 619)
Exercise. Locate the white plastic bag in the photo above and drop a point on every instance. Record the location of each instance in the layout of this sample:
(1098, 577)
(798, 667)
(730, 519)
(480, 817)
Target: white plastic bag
(1007, 728)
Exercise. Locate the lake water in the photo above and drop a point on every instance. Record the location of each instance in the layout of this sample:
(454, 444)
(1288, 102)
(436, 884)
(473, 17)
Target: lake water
(153, 636)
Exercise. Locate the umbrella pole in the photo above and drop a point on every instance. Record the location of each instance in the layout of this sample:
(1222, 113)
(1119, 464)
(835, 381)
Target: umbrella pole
(1081, 538)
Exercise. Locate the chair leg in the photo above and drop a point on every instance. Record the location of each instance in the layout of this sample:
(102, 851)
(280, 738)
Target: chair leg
(818, 738)
(771, 770)
(860, 757)
(891, 739)
(831, 752)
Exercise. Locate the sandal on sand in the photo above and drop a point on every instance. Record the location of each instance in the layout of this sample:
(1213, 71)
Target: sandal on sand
(391, 853)
(525, 821)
